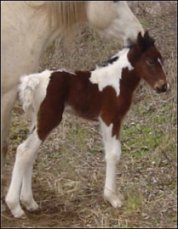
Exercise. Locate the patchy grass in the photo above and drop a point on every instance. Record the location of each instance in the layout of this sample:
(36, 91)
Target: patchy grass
(69, 173)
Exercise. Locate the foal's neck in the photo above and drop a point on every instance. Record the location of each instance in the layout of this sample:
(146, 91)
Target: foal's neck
(130, 80)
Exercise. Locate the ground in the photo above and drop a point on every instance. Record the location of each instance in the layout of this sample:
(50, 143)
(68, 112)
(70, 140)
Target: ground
(69, 172)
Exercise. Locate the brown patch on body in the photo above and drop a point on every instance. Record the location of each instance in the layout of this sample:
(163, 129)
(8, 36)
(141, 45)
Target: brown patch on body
(85, 99)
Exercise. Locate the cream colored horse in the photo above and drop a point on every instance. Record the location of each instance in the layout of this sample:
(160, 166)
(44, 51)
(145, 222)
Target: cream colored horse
(28, 27)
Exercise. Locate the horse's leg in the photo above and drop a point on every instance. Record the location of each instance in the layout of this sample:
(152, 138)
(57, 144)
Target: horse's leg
(7, 102)
(24, 159)
(26, 195)
(112, 156)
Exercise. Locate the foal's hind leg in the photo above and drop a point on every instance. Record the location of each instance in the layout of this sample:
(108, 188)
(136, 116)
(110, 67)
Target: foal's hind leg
(44, 127)
(24, 159)
(26, 194)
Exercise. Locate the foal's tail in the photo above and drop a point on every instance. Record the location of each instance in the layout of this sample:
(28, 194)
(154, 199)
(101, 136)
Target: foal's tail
(32, 90)
(28, 85)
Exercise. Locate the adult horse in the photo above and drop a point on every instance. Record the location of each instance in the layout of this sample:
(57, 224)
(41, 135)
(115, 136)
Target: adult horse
(29, 27)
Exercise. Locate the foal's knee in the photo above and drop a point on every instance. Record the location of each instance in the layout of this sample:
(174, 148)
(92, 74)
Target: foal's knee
(24, 154)
(113, 153)
(27, 150)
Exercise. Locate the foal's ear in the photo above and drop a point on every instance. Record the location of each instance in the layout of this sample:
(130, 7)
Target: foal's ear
(146, 35)
(140, 40)
(145, 41)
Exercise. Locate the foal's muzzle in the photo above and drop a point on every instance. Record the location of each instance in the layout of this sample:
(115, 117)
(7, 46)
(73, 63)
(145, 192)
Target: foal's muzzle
(161, 87)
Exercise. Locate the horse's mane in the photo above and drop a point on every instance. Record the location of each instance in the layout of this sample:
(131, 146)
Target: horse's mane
(63, 14)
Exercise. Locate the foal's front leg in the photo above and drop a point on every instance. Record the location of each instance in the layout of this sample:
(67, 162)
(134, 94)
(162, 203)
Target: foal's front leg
(112, 156)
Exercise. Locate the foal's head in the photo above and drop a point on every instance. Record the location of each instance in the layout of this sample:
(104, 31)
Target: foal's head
(148, 63)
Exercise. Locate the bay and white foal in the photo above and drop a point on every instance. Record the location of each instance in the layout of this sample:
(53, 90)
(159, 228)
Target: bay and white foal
(104, 94)
(28, 27)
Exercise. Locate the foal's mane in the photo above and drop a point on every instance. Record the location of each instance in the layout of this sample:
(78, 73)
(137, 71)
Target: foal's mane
(62, 14)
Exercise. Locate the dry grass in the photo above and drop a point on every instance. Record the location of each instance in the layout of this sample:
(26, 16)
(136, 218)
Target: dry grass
(70, 170)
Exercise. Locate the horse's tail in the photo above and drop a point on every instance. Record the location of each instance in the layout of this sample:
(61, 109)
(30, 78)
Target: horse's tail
(28, 85)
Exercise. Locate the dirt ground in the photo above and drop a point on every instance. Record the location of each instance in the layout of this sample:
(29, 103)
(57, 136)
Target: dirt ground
(69, 172)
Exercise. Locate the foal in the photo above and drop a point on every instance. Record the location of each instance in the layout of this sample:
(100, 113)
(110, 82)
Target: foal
(104, 94)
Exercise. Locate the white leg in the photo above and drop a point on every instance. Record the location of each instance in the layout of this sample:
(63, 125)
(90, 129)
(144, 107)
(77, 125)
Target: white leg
(26, 195)
(24, 159)
(112, 156)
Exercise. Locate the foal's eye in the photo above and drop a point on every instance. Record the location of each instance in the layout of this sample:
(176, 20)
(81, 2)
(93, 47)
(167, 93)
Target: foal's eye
(150, 62)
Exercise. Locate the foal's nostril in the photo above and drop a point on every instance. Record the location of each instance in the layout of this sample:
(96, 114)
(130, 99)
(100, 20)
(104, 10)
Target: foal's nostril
(162, 88)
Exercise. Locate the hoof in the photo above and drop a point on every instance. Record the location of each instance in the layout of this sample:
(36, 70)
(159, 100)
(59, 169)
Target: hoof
(31, 207)
(113, 199)
(17, 212)
(15, 209)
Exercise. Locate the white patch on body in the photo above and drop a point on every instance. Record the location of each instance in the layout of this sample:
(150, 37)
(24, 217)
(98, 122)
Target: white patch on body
(110, 75)
(112, 155)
